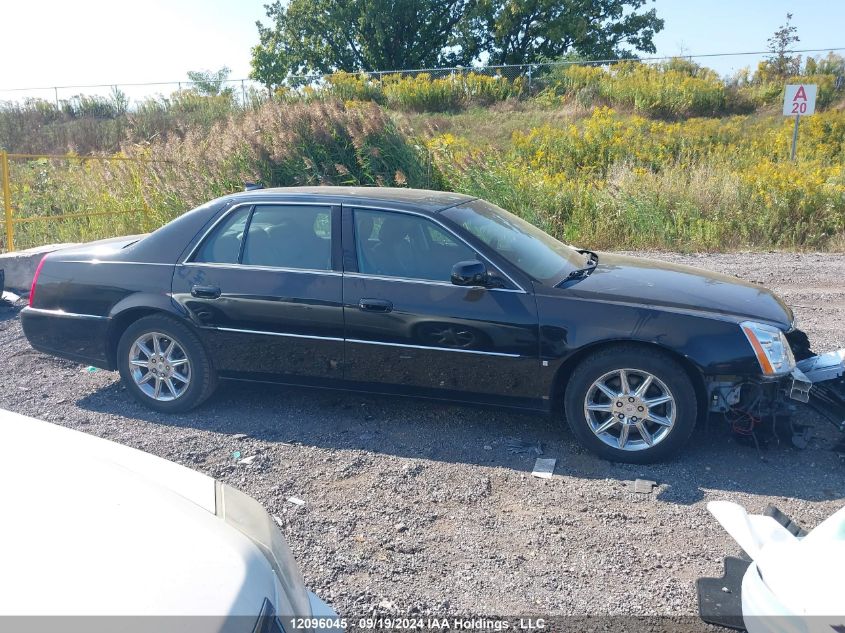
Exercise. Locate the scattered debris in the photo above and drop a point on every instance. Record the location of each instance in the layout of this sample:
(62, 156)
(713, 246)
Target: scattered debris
(8, 299)
(296, 501)
(248, 460)
(91, 369)
(643, 486)
(401, 527)
(544, 468)
(386, 604)
(801, 439)
(516, 445)
(240, 436)
(487, 447)
(236, 454)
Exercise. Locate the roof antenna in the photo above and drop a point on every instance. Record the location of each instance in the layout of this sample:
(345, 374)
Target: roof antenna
(252, 186)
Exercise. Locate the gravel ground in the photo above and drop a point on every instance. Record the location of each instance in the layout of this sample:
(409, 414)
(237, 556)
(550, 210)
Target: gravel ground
(418, 507)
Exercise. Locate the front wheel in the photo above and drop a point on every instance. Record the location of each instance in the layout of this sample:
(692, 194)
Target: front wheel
(164, 365)
(629, 404)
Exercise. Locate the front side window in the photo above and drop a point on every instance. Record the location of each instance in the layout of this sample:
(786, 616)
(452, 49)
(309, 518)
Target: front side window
(278, 236)
(395, 244)
(519, 242)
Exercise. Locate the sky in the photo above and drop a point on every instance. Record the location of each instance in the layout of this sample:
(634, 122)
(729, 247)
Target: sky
(64, 43)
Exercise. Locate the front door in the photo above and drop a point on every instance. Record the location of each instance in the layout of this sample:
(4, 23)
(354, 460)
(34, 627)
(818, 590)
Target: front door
(409, 327)
(266, 293)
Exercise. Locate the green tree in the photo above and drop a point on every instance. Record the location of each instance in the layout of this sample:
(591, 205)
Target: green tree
(780, 63)
(830, 64)
(210, 83)
(525, 31)
(271, 59)
(352, 35)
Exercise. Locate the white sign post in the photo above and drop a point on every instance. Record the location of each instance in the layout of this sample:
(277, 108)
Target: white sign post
(799, 100)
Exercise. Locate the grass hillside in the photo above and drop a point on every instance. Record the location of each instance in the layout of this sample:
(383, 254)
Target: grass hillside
(632, 156)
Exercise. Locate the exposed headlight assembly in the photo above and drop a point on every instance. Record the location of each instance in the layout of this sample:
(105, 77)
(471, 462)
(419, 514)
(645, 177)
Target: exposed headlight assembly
(249, 517)
(770, 347)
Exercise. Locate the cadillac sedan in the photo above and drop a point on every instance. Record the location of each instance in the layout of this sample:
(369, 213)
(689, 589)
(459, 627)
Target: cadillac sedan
(413, 292)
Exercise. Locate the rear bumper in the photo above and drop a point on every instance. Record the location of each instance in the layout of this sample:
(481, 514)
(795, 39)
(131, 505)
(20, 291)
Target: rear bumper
(81, 338)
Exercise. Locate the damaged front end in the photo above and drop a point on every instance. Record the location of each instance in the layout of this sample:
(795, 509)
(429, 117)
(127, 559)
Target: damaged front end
(816, 380)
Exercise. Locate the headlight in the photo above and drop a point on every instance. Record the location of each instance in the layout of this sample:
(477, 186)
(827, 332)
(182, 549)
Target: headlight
(770, 347)
(249, 517)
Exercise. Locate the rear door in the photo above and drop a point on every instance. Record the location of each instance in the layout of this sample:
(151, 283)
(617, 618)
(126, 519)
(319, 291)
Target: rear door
(265, 288)
(409, 327)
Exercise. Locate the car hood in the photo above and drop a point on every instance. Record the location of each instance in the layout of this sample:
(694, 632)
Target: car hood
(620, 278)
(96, 528)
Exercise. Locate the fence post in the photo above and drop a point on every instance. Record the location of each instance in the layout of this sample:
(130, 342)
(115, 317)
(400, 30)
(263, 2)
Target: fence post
(7, 201)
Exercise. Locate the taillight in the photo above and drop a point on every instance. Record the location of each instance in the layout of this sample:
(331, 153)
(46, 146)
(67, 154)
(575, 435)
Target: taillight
(35, 281)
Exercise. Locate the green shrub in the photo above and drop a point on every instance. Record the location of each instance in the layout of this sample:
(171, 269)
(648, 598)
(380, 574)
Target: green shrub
(671, 90)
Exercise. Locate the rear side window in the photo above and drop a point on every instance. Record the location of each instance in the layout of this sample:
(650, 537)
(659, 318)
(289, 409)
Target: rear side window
(287, 236)
(277, 236)
(224, 245)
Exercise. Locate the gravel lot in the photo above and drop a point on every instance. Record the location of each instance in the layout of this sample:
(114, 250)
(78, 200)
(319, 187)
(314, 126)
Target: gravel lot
(418, 507)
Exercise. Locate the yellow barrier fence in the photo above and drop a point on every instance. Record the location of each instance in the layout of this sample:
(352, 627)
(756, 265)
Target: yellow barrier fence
(22, 195)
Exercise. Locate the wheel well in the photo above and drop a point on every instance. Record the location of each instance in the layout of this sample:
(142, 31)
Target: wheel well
(566, 369)
(118, 327)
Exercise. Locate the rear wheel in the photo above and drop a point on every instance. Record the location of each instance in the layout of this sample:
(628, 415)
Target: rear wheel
(164, 365)
(631, 404)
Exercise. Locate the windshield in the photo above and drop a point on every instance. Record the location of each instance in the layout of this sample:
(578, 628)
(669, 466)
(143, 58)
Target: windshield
(524, 245)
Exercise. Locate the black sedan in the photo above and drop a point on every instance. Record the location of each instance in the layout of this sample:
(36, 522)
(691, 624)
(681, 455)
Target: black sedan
(413, 292)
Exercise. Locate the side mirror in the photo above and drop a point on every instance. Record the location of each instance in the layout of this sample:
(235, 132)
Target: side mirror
(472, 273)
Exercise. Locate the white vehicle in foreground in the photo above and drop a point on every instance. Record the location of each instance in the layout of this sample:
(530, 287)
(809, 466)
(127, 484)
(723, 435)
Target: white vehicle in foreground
(793, 584)
(93, 528)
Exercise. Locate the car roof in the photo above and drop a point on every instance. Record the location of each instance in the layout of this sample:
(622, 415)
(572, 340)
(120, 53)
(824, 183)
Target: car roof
(426, 199)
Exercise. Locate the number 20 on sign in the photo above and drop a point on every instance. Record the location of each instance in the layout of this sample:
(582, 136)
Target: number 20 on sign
(799, 100)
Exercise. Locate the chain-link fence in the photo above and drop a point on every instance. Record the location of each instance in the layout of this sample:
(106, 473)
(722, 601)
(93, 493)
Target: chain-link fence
(246, 92)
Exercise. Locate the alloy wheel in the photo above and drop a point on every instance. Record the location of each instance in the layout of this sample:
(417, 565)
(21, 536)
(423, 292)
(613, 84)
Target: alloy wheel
(630, 409)
(159, 366)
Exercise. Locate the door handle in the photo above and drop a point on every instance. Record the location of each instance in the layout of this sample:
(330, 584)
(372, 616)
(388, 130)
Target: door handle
(205, 292)
(375, 305)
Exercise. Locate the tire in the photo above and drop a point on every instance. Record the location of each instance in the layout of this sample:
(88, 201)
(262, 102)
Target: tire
(668, 423)
(191, 377)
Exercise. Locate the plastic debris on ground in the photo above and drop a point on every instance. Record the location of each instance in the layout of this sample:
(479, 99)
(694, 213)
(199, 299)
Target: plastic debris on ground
(516, 445)
(642, 486)
(91, 369)
(236, 454)
(8, 299)
(296, 501)
(544, 468)
(248, 460)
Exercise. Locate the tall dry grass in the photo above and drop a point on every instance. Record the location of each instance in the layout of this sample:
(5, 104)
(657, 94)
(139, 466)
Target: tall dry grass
(277, 144)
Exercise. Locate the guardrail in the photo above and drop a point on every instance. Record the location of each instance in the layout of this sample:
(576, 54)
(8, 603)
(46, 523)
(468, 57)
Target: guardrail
(14, 216)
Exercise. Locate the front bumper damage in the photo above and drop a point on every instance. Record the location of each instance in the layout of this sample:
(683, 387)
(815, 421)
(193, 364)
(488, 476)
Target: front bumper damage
(819, 381)
(751, 406)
